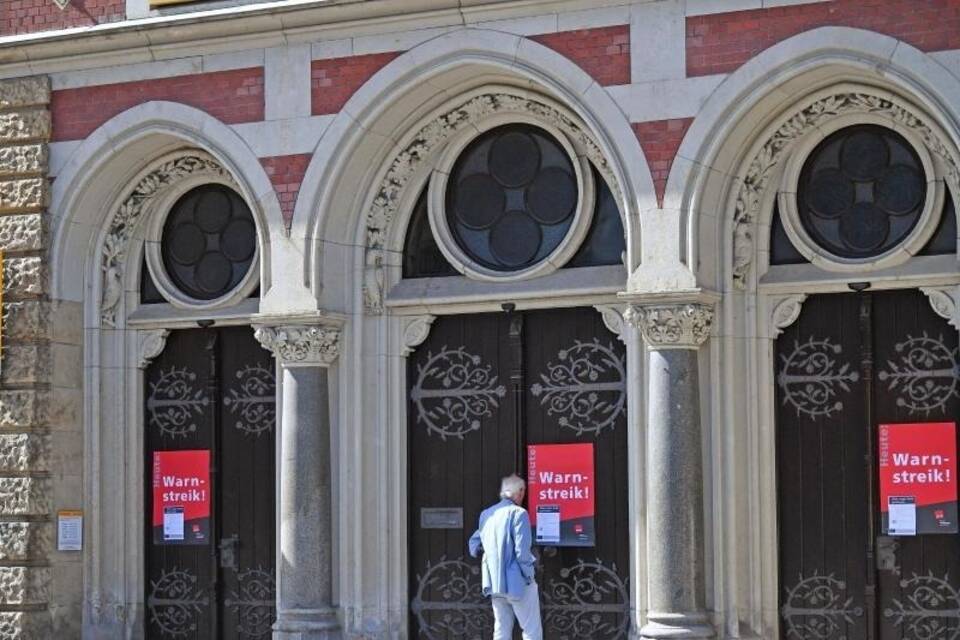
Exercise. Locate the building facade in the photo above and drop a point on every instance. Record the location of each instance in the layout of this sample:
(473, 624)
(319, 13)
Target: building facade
(265, 330)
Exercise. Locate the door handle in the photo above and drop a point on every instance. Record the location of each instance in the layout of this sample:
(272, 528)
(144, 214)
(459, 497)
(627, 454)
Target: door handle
(228, 552)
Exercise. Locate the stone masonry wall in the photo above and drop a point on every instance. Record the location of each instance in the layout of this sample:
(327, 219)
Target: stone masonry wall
(26, 392)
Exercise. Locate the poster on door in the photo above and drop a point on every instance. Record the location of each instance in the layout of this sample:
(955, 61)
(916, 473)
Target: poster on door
(918, 478)
(181, 497)
(560, 494)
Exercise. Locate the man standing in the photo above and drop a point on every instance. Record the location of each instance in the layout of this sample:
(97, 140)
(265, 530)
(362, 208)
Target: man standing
(507, 566)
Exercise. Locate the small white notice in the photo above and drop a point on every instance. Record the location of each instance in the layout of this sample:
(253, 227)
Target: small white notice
(173, 523)
(903, 515)
(548, 523)
(69, 530)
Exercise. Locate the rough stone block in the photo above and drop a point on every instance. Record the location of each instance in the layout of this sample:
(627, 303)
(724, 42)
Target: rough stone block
(24, 585)
(25, 625)
(22, 496)
(22, 452)
(26, 320)
(24, 126)
(24, 277)
(23, 409)
(22, 541)
(21, 92)
(24, 159)
(25, 364)
(23, 194)
(22, 233)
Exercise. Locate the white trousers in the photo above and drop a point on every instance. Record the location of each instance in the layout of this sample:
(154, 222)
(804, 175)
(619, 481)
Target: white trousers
(526, 609)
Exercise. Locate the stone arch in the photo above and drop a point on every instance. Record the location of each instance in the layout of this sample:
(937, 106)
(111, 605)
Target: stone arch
(373, 130)
(714, 159)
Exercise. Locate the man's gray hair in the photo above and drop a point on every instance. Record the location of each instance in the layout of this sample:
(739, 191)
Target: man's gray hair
(511, 486)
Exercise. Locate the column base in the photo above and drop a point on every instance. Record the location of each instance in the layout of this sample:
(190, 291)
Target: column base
(307, 624)
(676, 625)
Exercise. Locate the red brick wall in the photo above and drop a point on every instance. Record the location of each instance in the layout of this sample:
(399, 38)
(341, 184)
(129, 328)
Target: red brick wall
(232, 96)
(286, 174)
(721, 42)
(27, 16)
(660, 140)
(604, 52)
(334, 80)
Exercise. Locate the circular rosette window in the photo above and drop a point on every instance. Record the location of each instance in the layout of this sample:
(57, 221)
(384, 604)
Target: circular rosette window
(862, 193)
(513, 202)
(208, 246)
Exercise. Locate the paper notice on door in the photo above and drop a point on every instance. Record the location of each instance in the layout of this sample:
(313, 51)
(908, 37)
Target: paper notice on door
(173, 523)
(548, 523)
(903, 515)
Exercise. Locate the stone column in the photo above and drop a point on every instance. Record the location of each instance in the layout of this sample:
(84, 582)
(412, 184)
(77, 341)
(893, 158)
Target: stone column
(304, 552)
(675, 566)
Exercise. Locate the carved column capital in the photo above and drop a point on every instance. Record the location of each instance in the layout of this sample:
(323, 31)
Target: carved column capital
(301, 345)
(672, 326)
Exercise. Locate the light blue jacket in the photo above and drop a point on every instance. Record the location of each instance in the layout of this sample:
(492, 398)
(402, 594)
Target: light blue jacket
(504, 537)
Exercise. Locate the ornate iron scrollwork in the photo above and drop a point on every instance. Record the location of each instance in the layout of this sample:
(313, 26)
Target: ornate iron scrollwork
(815, 608)
(449, 600)
(586, 387)
(589, 602)
(930, 609)
(453, 391)
(254, 602)
(174, 403)
(926, 376)
(254, 400)
(811, 377)
(175, 601)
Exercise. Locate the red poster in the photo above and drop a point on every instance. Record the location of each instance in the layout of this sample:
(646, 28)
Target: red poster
(181, 497)
(560, 494)
(918, 471)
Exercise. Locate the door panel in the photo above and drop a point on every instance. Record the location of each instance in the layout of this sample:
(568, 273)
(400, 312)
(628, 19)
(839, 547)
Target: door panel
(850, 363)
(215, 389)
(482, 387)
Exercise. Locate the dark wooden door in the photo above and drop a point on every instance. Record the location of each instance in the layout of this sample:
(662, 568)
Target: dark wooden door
(848, 364)
(481, 388)
(214, 390)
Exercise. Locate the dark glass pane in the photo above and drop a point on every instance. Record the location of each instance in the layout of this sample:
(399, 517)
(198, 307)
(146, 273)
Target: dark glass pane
(422, 257)
(605, 242)
(209, 241)
(511, 197)
(944, 240)
(149, 294)
(861, 192)
(782, 250)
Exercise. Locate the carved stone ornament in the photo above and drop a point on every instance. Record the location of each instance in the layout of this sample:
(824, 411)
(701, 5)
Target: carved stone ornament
(429, 140)
(151, 344)
(679, 326)
(785, 312)
(944, 303)
(124, 222)
(415, 332)
(319, 345)
(762, 167)
(613, 319)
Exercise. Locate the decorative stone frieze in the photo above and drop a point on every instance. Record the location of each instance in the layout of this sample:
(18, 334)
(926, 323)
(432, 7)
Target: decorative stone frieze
(665, 326)
(128, 216)
(23, 194)
(28, 406)
(24, 585)
(301, 345)
(21, 540)
(24, 408)
(762, 167)
(22, 232)
(24, 277)
(23, 159)
(25, 497)
(23, 452)
(18, 127)
(24, 92)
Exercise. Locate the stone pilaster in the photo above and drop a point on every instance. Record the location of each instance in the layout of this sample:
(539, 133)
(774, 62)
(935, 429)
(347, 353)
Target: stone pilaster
(673, 334)
(26, 372)
(305, 608)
